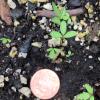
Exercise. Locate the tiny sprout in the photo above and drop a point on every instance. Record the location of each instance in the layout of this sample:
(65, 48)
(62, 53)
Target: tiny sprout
(5, 40)
(69, 54)
(53, 53)
(88, 95)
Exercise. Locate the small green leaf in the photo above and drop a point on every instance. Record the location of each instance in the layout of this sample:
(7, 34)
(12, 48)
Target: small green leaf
(63, 27)
(92, 98)
(53, 53)
(88, 88)
(55, 34)
(82, 96)
(56, 20)
(56, 9)
(5, 40)
(48, 50)
(70, 34)
(64, 15)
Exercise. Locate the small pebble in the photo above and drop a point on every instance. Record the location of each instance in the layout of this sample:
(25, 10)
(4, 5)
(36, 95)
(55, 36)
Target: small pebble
(47, 6)
(91, 67)
(13, 88)
(37, 44)
(6, 79)
(23, 79)
(43, 20)
(23, 55)
(80, 28)
(1, 78)
(25, 91)
(99, 58)
(1, 84)
(75, 27)
(11, 4)
(18, 71)
(16, 23)
(46, 36)
(90, 57)
(13, 52)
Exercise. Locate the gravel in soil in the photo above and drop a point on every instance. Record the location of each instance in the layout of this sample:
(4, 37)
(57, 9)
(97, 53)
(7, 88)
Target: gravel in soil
(16, 70)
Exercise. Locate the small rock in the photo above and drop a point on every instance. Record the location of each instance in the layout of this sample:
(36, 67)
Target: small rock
(11, 4)
(75, 27)
(23, 55)
(18, 71)
(57, 69)
(13, 52)
(90, 57)
(22, 1)
(2, 84)
(46, 36)
(65, 43)
(23, 79)
(6, 79)
(47, 6)
(16, 23)
(13, 88)
(1, 78)
(99, 58)
(43, 20)
(54, 42)
(91, 67)
(25, 91)
(80, 28)
(37, 44)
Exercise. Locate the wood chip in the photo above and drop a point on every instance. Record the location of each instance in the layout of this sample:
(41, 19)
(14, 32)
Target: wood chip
(5, 12)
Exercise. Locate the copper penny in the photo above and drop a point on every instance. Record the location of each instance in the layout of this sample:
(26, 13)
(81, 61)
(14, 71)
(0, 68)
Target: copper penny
(45, 84)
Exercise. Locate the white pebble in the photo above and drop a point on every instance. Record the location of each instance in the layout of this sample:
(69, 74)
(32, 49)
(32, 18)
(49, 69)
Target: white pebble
(1, 78)
(99, 58)
(6, 79)
(47, 6)
(25, 91)
(2, 84)
(90, 57)
(13, 88)
(80, 28)
(43, 20)
(37, 44)
(23, 79)
(11, 4)
(75, 27)
(91, 67)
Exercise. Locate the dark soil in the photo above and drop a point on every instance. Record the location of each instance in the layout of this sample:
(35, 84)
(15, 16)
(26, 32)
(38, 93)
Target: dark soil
(74, 71)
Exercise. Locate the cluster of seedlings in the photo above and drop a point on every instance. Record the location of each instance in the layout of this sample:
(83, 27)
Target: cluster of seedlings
(61, 20)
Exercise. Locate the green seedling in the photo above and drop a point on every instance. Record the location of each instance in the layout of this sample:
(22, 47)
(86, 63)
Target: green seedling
(69, 54)
(88, 95)
(61, 14)
(53, 53)
(63, 34)
(5, 40)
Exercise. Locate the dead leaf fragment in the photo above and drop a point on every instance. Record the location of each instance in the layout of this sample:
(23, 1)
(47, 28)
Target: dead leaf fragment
(5, 12)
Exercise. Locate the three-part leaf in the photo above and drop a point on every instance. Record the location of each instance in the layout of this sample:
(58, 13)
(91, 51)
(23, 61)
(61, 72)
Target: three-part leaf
(70, 34)
(63, 27)
(55, 34)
